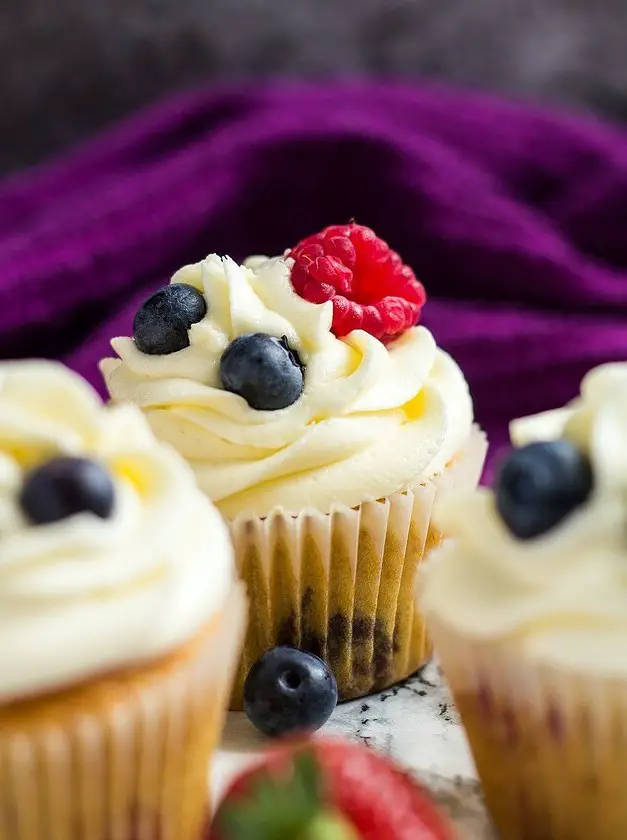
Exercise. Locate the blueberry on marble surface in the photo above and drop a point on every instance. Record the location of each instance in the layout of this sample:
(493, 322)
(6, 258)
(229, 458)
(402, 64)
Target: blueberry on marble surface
(162, 322)
(289, 690)
(63, 487)
(264, 370)
(540, 484)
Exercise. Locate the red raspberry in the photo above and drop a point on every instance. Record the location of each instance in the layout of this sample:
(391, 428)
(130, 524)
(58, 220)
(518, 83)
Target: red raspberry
(369, 285)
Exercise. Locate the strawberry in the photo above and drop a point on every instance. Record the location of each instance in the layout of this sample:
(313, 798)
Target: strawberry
(327, 789)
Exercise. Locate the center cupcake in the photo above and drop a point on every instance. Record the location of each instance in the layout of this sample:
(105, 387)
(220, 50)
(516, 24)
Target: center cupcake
(322, 422)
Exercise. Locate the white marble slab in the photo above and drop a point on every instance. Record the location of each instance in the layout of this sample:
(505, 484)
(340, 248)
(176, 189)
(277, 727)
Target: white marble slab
(416, 723)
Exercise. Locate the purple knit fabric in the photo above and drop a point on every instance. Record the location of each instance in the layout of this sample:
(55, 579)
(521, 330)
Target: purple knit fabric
(514, 218)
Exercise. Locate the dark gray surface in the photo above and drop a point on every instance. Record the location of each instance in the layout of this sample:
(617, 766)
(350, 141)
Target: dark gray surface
(68, 67)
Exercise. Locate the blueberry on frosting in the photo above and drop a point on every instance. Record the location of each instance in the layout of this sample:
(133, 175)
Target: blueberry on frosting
(63, 487)
(262, 369)
(162, 322)
(540, 484)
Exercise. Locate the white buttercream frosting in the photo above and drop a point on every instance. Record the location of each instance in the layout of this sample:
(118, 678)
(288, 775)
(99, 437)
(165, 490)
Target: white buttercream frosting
(372, 419)
(85, 595)
(561, 596)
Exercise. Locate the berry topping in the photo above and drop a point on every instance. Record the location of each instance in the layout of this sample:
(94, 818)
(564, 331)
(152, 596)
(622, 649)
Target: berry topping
(263, 370)
(369, 285)
(540, 484)
(64, 487)
(161, 323)
(327, 789)
(288, 690)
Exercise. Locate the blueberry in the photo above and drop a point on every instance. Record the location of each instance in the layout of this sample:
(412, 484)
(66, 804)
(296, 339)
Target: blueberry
(540, 484)
(161, 323)
(263, 370)
(289, 690)
(65, 486)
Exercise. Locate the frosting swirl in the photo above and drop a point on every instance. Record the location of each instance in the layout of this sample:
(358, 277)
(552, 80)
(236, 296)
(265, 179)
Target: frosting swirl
(372, 419)
(85, 595)
(562, 595)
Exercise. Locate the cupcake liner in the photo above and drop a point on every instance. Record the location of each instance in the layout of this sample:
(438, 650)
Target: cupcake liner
(341, 584)
(550, 745)
(125, 757)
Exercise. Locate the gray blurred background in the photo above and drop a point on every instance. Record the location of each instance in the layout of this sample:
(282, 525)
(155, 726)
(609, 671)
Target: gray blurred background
(70, 67)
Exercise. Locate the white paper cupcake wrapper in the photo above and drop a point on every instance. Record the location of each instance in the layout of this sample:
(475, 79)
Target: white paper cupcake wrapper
(550, 745)
(341, 584)
(130, 765)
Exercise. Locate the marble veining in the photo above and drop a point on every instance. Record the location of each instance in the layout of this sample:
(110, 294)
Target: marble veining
(415, 722)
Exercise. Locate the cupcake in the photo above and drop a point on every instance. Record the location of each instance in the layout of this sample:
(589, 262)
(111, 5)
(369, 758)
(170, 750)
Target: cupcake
(528, 610)
(322, 422)
(120, 619)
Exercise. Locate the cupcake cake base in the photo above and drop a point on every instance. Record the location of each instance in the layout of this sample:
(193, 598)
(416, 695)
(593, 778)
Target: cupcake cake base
(341, 585)
(550, 746)
(125, 756)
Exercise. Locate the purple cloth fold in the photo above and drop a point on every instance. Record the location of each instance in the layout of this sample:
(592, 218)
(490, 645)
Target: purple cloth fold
(514, 218)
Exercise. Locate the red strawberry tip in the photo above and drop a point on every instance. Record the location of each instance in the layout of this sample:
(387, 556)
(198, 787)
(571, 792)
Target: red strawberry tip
(327, 789)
